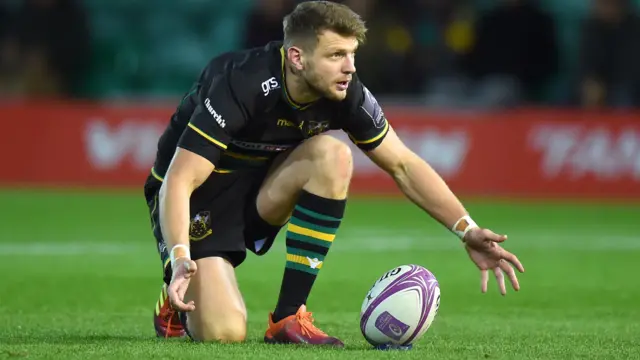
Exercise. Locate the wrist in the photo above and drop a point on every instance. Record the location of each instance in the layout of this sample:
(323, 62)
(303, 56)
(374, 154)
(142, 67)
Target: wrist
(179, 251)
(463, 226)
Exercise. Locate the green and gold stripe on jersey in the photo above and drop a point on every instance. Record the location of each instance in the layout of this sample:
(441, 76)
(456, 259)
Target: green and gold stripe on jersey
(244, 154)
(385, 130)
(219, 144)
(161, 178)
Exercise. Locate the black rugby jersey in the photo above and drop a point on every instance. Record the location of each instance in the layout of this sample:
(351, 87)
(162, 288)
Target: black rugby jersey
(238, 114)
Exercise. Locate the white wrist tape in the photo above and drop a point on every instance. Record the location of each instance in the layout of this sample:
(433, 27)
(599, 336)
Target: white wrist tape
(183, 252)
(463, 226)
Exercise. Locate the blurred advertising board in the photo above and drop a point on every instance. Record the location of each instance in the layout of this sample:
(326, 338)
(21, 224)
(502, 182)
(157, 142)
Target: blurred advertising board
(522, 153)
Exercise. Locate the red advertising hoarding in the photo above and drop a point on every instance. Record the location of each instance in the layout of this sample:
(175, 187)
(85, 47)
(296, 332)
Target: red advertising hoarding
(525, 153)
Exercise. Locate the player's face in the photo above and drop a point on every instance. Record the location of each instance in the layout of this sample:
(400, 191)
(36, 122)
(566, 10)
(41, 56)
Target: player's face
(329, 69)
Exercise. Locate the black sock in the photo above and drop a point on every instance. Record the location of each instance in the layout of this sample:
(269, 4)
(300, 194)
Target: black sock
(310, 233)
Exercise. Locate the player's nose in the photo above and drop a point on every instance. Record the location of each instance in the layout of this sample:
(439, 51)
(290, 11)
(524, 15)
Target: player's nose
(349, 65)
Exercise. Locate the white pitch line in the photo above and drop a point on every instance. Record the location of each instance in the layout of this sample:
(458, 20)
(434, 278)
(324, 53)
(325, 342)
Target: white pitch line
(72, 248)
(382, 239)
(350, 241)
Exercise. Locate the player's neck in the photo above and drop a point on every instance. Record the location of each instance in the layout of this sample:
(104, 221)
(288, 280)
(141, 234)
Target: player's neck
(298, 89)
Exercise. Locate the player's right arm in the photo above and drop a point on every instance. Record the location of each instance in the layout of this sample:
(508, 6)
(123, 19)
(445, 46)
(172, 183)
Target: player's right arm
(187, 172)
(217, 116)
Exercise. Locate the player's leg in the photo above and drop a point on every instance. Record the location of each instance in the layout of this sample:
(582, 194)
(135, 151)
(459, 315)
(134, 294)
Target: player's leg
(310, 189)
(218, 246)
(220, 313)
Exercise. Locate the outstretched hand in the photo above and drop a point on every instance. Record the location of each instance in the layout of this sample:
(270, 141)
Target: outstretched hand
(483, 248)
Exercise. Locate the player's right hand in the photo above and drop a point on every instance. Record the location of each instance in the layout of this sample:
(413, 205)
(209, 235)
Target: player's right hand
(183, 270)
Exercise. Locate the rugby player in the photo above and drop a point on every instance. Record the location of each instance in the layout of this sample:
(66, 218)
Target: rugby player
(244, 155)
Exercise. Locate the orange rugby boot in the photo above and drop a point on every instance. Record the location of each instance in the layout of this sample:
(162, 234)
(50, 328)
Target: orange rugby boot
(298, 329)
(165, 319)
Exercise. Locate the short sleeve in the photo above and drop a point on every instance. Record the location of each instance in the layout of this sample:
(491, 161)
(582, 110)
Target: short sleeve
(365, 123)
(218, 115)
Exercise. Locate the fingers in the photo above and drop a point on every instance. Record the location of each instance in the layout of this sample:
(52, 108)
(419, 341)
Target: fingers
(178, 288)
(511, 274)
(484, 280)
(500, 278)
(490, 235)
(512, 259)
(176, 291)
(182, 290)
(183, 271)
(182, 307)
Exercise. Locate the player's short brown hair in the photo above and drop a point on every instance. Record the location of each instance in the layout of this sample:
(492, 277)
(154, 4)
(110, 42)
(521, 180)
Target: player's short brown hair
(310, 18)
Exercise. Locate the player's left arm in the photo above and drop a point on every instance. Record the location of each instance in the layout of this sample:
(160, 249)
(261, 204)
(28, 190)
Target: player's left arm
(369, 129)
(428, 190)
(418, 180)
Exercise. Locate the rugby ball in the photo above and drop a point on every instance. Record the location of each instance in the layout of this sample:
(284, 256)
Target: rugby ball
(400, 306)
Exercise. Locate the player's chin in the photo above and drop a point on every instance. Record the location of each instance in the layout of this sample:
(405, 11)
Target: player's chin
(337, 94)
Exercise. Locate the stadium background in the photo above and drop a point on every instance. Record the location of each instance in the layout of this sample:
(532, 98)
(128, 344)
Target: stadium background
(529, 112)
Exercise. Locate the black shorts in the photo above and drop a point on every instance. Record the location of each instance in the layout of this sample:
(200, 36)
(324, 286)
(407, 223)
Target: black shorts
(224, 218)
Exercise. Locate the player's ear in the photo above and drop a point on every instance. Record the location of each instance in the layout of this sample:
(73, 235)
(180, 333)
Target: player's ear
(295, 56)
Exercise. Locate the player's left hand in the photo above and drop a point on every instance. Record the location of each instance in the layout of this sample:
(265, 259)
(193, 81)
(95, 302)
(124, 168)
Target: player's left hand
(483, 248)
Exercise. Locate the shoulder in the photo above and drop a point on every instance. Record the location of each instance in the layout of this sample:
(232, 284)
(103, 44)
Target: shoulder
(361, 102)
(251, 75)
(358, 96)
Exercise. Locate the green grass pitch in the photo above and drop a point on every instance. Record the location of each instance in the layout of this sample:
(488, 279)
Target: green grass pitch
(80, 276)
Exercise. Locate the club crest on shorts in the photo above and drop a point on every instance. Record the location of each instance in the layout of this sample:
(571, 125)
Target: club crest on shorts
(200, 226)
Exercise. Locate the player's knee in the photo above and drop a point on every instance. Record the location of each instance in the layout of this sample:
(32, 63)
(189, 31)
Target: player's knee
(231, 330)
(231, 334)
(333, 159)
